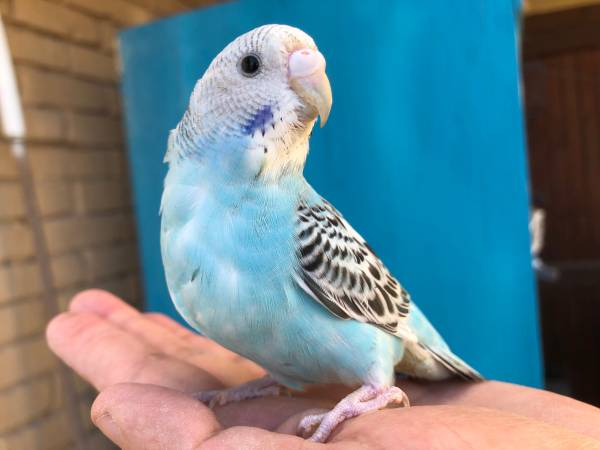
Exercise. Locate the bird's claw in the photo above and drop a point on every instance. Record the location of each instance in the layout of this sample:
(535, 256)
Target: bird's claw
(309, 424)
(368, 398)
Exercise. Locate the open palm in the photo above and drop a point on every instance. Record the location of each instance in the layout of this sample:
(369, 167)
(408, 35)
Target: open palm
(146, 366)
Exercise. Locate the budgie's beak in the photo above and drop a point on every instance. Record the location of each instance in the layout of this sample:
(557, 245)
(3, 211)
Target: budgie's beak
(306, 72)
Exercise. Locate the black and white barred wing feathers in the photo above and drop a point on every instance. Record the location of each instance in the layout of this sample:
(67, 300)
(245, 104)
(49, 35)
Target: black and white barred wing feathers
(338, 269)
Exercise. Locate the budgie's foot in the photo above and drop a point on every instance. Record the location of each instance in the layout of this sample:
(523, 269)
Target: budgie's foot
(367, 398)
(263, 387)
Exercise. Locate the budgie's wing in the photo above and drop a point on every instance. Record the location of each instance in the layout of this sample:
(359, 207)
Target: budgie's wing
(338, 269)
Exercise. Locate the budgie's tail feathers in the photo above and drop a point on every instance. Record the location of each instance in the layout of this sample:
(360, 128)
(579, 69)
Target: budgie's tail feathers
(454, 364)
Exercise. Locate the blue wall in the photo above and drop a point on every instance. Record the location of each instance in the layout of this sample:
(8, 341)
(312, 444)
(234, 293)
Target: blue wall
(423, 153)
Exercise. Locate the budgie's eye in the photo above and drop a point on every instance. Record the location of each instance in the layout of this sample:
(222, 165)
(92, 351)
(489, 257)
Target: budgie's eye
(250, 65)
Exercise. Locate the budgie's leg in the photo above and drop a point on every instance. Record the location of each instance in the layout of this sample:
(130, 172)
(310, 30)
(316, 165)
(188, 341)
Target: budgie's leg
(365, 399)
(262, 387)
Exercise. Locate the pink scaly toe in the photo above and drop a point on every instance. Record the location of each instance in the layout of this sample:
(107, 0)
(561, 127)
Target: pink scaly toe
(263, 387)
(363, 400)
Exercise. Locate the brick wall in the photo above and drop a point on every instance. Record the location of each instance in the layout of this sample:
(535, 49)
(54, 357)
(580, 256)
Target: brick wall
(65, 56)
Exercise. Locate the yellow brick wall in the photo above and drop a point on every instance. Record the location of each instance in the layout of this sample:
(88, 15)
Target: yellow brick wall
(65, 57)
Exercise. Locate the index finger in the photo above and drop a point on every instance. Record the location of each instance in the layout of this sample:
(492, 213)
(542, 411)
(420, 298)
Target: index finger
(105, 354)
(168, 337)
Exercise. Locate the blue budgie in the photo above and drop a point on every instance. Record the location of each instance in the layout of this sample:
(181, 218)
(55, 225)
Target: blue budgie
(258, 261)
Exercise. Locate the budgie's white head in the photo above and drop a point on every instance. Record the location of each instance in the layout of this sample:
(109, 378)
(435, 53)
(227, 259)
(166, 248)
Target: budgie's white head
(254, 108)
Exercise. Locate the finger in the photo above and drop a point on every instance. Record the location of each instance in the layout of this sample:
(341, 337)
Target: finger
(138, 416)
(100, 302)
(269, 412)
(171, 325)
(195, 340)
(105, 354)
(224, 365)
(534, 403)
(115, 310)
(290, 426)
(455, 427)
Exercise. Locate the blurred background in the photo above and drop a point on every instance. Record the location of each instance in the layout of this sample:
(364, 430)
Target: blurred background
(82, 97)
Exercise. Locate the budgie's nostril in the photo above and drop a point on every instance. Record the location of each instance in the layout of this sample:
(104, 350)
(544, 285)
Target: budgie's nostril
(305, 62)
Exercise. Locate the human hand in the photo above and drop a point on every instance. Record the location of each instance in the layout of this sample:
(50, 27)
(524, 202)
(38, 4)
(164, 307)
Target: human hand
(146, 366)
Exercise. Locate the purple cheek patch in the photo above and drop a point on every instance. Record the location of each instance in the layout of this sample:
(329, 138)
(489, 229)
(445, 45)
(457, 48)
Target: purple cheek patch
(259, 121)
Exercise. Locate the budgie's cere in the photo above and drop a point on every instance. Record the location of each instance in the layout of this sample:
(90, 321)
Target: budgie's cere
(259, 262)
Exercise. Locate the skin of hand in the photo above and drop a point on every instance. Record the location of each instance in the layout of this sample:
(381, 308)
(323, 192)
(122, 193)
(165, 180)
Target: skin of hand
(146, 365)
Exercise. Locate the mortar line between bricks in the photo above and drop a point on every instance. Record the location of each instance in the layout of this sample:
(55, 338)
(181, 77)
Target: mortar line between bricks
(104, 82)
(11, 20)
(96, 44)
(29, 339)
(60, 39)
(42, 105)
(118, 243)
(70, 145)
(48, 374)
(119, 276)
(114, 212)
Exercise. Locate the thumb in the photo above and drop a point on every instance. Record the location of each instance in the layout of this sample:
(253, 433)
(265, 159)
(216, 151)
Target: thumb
(136, 416)
(142, 416)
